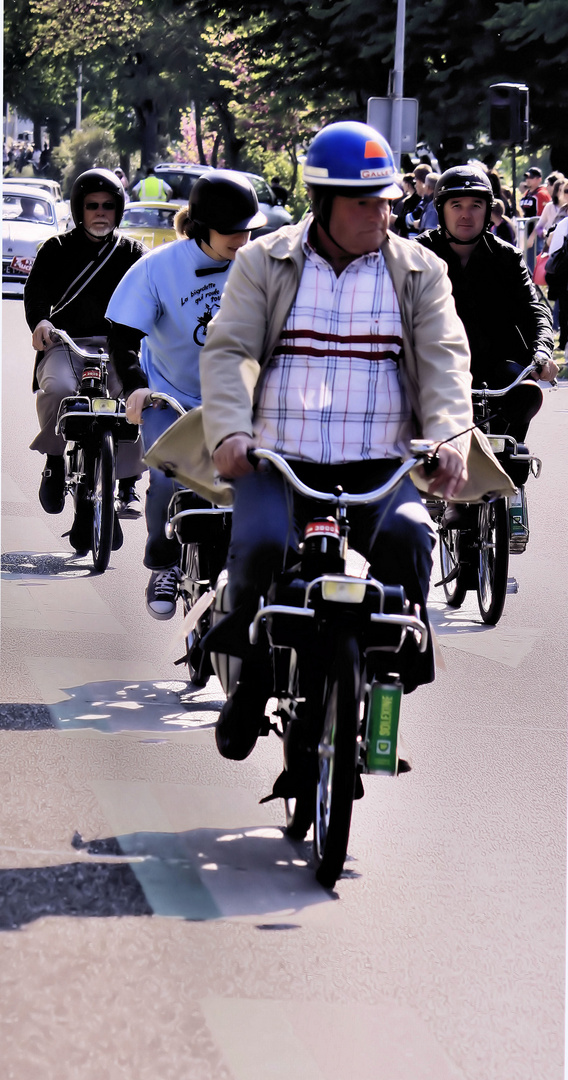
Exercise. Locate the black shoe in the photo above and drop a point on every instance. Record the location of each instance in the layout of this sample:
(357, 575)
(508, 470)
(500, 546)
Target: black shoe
(162, 593)
(127, 502)
(239, 723)
(81, 534)
(117, 534)
(52, 487)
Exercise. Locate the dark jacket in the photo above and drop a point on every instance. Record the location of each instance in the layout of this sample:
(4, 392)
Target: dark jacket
(402, 208)
(70, 258)
(496, 301)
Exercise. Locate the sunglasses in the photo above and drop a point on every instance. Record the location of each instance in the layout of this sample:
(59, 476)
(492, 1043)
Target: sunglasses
(100, 206)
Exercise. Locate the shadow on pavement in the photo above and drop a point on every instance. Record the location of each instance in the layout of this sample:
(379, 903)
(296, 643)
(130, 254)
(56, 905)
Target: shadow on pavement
(151, 705)
(198, 875)
(80, 889)
(27, 565)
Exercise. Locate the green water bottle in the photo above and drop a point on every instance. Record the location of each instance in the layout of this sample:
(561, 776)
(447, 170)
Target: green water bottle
(383, 711)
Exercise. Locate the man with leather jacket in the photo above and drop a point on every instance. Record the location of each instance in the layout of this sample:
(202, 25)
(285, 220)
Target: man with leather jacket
(69, 287)
(506, 325)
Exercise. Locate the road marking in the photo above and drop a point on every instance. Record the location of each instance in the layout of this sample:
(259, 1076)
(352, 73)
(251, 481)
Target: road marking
(311, 1040)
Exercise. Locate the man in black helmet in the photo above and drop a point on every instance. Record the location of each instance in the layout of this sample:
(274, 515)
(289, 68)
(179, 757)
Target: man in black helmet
(495, 298)
(69, 286)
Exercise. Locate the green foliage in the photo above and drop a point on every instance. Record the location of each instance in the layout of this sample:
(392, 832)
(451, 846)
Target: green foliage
(91, 146)
(262, 78)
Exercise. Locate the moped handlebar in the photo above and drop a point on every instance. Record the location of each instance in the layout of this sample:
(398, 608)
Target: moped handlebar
(487, 393)
(156, 395)
(63, 336)
(422, 451)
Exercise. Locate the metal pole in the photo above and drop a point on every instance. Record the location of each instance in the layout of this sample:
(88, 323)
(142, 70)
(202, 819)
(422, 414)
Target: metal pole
(79, 97)
(398, 83)
(514, 178)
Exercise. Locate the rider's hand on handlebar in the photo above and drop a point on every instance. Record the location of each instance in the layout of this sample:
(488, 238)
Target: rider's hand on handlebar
(230, 457)
(41, 336)
(135, 403)
(450, 476)
(547, 372)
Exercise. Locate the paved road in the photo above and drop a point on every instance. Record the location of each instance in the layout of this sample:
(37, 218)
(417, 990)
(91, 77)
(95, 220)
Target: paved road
(156, 922)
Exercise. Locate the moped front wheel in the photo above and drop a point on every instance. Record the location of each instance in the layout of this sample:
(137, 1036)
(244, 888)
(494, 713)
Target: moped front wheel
(493, 560)
(103, 502)
(195, 569)
(337, 761)
(453, 576)
(298, 764)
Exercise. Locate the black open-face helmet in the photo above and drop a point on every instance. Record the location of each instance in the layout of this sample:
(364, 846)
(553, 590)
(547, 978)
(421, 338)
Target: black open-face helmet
(88, 183)
(463, 180)
(224, 200)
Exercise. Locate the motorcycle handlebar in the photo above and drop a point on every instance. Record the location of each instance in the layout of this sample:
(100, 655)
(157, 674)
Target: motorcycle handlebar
(486, 393)
(156, 395)
(421, 453)
(63, 336)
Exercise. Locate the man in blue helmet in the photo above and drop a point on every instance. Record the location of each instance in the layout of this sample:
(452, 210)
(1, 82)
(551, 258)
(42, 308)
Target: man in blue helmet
(336, 341)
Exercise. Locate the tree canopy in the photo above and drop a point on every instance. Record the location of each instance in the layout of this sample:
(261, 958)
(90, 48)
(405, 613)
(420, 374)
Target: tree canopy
(250, 75)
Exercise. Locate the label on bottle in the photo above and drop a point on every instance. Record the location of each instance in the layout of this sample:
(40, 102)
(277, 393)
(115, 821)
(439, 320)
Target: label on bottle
(383, 711)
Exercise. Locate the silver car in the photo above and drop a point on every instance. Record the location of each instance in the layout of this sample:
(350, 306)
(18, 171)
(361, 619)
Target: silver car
(53, 188)
(29, 218)
(181, 178)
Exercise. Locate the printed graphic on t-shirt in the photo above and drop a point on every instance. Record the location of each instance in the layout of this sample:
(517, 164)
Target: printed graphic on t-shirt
(207, 300)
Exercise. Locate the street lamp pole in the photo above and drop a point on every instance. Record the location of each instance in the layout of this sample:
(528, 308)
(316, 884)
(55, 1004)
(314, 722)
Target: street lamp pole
(398, 83)
(79, 97)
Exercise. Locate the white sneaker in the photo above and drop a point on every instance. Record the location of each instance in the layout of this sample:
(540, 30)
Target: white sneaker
(162, 593)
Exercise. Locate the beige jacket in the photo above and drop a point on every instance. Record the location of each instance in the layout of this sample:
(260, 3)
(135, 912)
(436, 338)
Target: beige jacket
(256, 301)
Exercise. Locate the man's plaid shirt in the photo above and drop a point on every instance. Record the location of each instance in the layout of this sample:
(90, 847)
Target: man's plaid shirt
(331, 391)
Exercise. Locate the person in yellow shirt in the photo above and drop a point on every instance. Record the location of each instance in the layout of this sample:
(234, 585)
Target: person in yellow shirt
(152, 188)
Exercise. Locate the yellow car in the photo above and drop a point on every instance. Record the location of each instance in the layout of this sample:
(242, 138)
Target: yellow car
(150, 222)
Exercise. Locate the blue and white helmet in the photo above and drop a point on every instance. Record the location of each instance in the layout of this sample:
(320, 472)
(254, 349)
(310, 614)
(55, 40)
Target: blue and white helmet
(349, 154)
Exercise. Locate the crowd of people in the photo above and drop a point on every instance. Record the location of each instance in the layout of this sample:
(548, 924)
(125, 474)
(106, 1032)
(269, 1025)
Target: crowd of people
(361, 327)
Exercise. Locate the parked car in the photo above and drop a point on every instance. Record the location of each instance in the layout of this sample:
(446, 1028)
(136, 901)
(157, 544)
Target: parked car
(276, 214)
(62, 208)
(182, 177)
(150, 222)
(29, 218)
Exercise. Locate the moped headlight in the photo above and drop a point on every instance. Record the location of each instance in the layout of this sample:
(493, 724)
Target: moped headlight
(497, 444)
(344, 592)
(104, 405)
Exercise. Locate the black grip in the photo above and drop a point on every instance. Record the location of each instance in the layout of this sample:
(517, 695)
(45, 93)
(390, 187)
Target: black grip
(431, 463)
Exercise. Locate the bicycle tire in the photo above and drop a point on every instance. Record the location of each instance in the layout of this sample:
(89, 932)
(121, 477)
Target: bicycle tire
(103, 502)
(198, 664)
(493, 565)
(455, 590)
(300, 739)
(78, 466)
(337, 760)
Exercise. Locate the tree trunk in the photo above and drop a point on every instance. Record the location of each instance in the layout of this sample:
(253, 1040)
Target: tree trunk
(148, 127)
(198, 132)
(233, 145)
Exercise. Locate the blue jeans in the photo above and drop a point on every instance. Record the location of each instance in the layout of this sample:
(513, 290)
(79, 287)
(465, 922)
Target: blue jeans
(395, 535)
(160, 553)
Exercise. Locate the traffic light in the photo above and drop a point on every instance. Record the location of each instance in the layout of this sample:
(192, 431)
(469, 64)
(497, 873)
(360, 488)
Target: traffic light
(509, 113)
